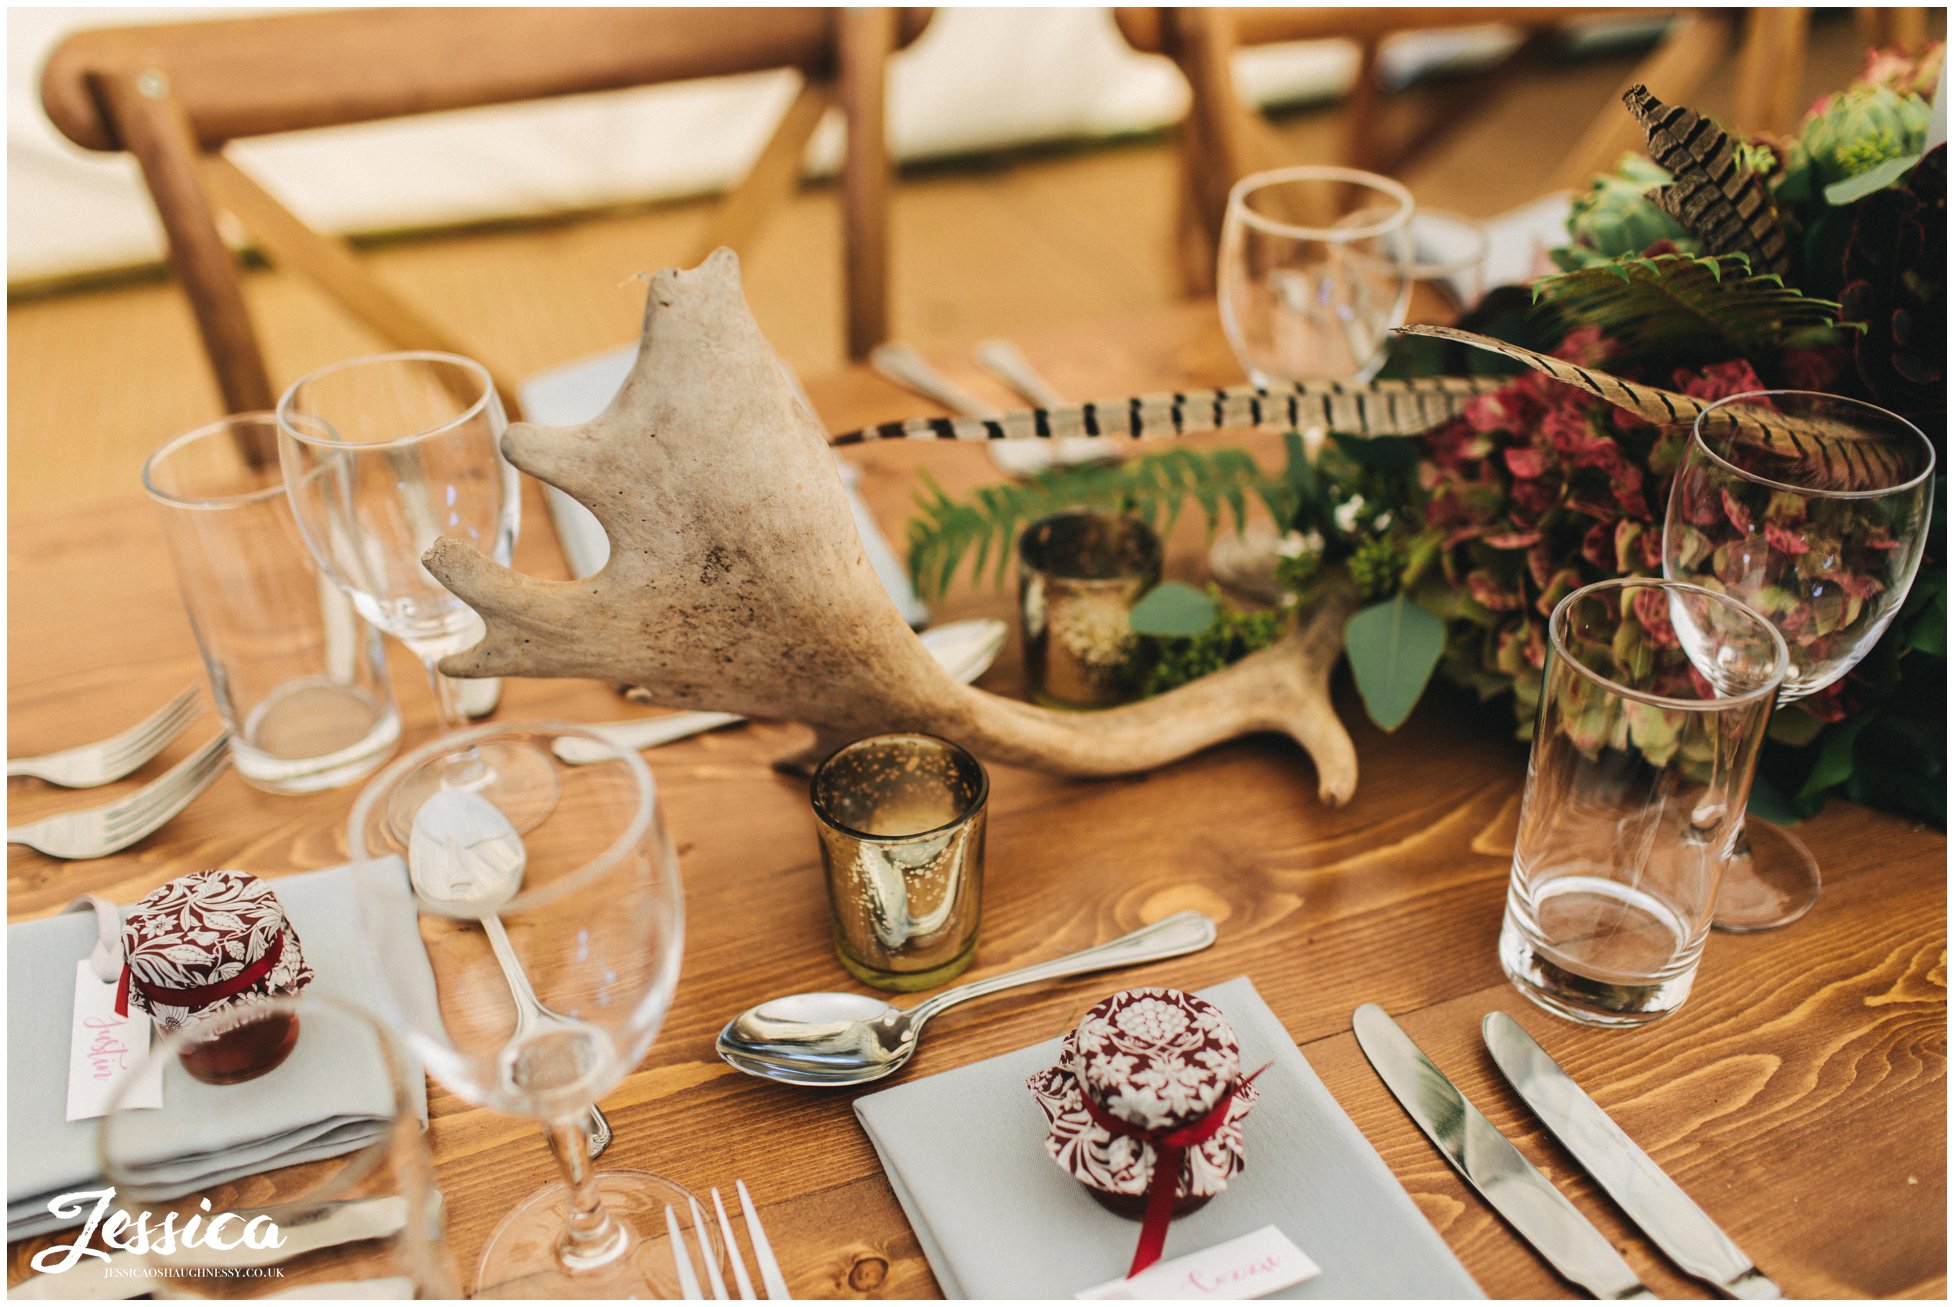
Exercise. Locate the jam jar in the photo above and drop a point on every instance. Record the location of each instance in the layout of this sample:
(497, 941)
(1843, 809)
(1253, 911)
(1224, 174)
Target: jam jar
(199, 954)
(1146, 1062)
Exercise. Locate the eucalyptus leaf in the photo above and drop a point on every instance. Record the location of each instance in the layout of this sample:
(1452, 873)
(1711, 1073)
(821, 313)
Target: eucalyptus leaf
(1394, 647)
(1876, 178)
(1173, 609)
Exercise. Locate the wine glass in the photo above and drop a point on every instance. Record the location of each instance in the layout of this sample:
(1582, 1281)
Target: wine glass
(382, 455)
(349, 1211)
(555, 954)
(1813, 510)
(1315, 269)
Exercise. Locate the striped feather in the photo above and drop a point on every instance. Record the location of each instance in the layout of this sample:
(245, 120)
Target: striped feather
(1713, 195)
(1822, 454)
(1379, 408)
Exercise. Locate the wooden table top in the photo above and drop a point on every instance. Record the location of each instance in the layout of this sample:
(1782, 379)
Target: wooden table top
(1800, 1095)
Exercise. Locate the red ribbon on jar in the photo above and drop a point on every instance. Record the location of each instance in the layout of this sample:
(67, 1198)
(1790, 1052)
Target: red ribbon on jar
(201, 995)
(1169, 1153)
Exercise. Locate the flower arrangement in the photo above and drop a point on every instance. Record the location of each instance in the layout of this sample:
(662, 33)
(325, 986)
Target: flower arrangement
(1463, 539)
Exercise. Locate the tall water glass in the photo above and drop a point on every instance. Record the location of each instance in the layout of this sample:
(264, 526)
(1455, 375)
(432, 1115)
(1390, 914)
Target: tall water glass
(342, 1205)
(1635, 795)
(1820, 528)
(555, 957)
(382, 456)
(300, 681)
(1314, 272)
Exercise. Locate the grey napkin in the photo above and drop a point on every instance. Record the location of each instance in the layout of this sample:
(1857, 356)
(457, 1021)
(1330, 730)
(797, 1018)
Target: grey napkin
(965, 1153)
(324, 1101)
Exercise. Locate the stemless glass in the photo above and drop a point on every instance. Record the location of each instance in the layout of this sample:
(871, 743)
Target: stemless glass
(1821, 531)
(300, 681)
(382, 455)
(1314, 272)
(347, 1206)
(1635, 794)
(555, 956)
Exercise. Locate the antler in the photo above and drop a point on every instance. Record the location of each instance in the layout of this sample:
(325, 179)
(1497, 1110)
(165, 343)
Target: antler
(736, 580)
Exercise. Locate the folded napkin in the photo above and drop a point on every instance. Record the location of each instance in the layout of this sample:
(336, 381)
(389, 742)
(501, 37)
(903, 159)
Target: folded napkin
(965, 1153)
(327, 1099)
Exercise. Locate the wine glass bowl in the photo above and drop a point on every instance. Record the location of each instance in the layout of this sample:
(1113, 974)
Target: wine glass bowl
(1315, 270)
(555, 956)
(1813, 510)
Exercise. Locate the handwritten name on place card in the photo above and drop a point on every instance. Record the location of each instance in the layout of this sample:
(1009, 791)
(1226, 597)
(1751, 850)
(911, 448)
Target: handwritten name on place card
(106, 1050)
(1248, 1267)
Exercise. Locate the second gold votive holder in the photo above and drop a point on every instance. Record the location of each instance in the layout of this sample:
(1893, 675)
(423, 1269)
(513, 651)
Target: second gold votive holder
(1080, 573)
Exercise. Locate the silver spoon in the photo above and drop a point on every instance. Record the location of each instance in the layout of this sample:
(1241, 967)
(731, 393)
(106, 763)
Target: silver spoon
(464, 856)
(828, 1040)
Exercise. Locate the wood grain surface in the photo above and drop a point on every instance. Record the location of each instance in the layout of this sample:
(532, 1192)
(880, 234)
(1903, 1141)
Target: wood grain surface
(1800, 1096)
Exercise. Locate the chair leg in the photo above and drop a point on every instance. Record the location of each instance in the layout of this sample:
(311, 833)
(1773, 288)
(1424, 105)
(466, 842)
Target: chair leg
(867, 36)
(154, 128)
(1770, 69)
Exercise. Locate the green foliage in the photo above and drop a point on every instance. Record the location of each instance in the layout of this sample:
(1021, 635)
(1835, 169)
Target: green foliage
(1616, 217)
(1394, 647)
(1232, 635)
(1173, 609)
(1677, 307)
(947, 533)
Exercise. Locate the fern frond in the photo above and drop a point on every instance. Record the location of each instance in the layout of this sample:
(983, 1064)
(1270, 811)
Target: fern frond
(946, 534)
(1681, 306)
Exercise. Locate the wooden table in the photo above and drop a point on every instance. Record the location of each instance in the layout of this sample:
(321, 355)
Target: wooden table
(1800, 1096)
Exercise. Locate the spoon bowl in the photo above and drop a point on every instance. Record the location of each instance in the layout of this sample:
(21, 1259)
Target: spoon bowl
(833, 1040)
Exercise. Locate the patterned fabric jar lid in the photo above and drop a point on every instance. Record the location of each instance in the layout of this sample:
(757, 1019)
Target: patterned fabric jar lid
(1159, 1060)
(206, 942)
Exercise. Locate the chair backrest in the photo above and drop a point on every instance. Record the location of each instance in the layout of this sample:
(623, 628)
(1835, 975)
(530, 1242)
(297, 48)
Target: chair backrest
(175, 94)
(1223, 139)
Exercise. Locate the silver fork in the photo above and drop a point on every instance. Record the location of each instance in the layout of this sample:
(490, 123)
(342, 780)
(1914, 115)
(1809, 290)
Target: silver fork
(688, 1281)
(98, 832)
(89, 765)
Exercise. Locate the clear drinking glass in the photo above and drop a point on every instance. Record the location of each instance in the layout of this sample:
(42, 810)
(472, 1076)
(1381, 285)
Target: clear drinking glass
(1642, 763)
(555, 956)
(381, 456)
(1314, 272)
(902, 840)
(360, 1218)
(1820, 530)
(300, 681)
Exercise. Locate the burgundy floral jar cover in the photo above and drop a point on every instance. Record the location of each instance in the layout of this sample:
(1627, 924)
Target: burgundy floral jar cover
(1149, 1075)
(207, 942)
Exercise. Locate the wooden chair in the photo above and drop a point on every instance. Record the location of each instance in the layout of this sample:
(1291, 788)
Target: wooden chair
(1222, 139)
(175, 95)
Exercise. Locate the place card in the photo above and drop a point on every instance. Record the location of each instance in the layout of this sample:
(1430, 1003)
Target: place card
(1248, 1267)
(105, 1050)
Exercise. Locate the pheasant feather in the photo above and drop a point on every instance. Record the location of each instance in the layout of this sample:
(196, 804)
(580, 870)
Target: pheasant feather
(1713, 195)
(1823, 454)
(1380, 408)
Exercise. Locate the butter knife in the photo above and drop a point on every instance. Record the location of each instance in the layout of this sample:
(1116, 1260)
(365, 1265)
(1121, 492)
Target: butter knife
(127, 1274)
(1675, 1224)
(1491, 1164)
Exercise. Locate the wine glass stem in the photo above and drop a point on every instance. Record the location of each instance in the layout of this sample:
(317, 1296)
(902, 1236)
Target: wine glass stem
(591, 1238)
(447, 698)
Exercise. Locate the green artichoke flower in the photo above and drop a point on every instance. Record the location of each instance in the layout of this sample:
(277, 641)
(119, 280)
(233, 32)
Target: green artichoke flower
(1616, 217)
(1860, 129)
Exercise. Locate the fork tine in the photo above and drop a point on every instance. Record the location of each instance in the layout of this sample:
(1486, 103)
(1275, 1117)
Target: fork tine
(169, 793)
(770, 1276)
(160, 729)
(740, 1280)
(699, 1232)
(688, 1283)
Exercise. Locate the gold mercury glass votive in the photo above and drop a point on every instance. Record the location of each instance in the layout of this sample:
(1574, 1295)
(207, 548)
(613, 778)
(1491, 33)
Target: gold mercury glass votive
(1079, 574)
(901, 820)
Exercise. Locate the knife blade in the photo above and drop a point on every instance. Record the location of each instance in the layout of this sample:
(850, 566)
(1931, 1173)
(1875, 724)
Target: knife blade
(1487, 1159)
(1656, 1203)
(129, 1275)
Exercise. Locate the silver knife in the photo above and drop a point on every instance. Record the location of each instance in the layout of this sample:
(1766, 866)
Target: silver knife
(1491, 1164)
(126, 1274)
(1639, 1187)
